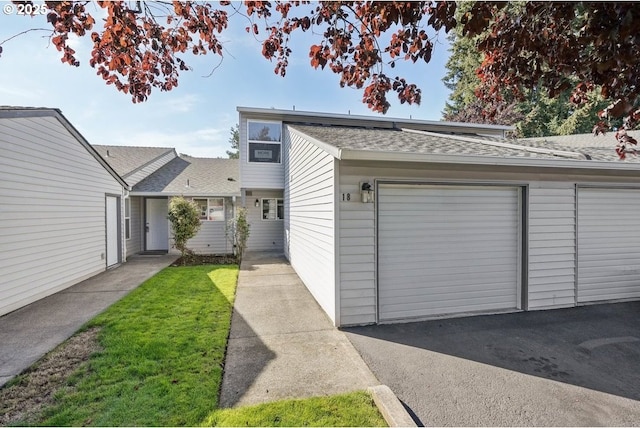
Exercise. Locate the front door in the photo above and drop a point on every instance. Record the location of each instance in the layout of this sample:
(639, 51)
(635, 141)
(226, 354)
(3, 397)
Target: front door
(157, 225)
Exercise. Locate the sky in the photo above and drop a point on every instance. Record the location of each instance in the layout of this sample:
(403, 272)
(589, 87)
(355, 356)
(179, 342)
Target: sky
(196, 117)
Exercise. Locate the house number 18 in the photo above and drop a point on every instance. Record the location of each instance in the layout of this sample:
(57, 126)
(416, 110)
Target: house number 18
(346, 197)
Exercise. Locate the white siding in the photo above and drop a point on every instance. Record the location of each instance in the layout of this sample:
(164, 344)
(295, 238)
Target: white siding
(608, 244)
(52, 215)
(357, 252)
(212, 238)
(134, 244)
(309, 202)
(258, 175)
(137, 176)
(552, 246)
(264, 235)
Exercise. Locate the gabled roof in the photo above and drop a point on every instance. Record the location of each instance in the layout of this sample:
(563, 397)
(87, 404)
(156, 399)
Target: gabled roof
(410, 145)
(127, 160)
(9, 112)
(186, 175)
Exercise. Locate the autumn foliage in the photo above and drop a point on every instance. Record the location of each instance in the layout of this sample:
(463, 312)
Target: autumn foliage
(544, 46)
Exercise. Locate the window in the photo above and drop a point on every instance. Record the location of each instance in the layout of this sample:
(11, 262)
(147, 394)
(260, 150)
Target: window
(211, 209)
(127, 218)
(265, 141)
(272, 209)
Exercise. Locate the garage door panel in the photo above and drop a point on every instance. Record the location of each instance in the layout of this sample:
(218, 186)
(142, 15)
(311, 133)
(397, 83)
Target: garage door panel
(608, 249)
(479, 259)
(446, 249)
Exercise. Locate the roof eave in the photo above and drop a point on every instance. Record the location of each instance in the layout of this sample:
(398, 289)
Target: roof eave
(367, 155)
(186, 193)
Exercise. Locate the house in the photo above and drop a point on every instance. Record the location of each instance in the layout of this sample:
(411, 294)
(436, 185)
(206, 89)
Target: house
(389, 220)
(61, 211)
(157, 174)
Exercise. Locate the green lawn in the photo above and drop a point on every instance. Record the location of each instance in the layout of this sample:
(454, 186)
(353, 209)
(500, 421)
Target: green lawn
(161, 364)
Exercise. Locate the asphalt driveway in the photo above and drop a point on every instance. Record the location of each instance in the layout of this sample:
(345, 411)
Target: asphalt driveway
(567, 367)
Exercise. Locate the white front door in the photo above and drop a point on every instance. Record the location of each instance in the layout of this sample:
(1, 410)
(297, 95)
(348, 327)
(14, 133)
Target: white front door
(113, 255)
(157, 224)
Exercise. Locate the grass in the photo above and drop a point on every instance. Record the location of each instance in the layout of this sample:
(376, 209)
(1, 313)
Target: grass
(163, 353)
(356, 409)
(161, 363)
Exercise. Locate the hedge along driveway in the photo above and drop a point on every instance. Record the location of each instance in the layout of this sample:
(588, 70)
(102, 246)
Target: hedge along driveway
(163, 354)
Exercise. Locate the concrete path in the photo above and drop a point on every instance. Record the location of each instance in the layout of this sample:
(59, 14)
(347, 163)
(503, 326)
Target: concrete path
(282, 345)
(28, 333)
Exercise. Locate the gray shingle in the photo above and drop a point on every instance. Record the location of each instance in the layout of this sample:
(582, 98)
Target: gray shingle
(205, 176)
(126, 159)
(394, 140)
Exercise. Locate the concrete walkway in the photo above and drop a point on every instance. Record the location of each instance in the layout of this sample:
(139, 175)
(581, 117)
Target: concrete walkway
(282, 345)
(28, 333)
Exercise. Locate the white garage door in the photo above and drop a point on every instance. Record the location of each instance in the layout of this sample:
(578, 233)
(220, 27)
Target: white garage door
(447, 249)
(608, 244)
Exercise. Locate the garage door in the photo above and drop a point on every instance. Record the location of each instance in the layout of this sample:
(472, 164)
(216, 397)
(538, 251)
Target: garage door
(608, 244)
(447, 249)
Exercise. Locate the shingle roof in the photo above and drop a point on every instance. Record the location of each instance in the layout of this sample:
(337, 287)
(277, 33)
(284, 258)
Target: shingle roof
(126, 159)
(601, 147)
(395, 140)
(583, 148)
(204, 176)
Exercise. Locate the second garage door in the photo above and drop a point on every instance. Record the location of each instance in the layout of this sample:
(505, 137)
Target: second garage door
(447, 249)
(608, 244)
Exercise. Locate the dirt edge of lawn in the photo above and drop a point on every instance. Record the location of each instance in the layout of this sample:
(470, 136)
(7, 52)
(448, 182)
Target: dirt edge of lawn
(23, 398)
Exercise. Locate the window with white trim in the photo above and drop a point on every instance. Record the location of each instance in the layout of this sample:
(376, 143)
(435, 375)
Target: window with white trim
(211, 209)
(127, 218)
(273, 209)
(265, 141)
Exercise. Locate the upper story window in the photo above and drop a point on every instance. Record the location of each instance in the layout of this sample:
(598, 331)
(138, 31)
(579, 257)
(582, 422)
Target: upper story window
(265, 141)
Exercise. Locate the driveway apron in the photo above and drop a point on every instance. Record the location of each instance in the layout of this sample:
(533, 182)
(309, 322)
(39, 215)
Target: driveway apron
(565, 367)
(28, 333)
(282, 345)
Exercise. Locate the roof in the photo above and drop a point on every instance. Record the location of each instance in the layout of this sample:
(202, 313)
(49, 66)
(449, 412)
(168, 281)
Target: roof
(600, 147)
(186, 175)
(316, 118)
(128, 159)
(388, 144)
(14, 112)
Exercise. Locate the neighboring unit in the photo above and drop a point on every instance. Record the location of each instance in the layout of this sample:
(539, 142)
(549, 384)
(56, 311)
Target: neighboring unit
(61, 210)
(156, 174)
(389, 220)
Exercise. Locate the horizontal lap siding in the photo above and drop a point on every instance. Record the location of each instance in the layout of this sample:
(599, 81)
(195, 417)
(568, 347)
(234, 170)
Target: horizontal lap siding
(264, 235)
(552, 249)
(309, 201)
(52, 218)
(212, 238)
(357, 253)
(608, 244)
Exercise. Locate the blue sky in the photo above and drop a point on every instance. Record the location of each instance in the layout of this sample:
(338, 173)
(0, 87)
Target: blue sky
(195, 117)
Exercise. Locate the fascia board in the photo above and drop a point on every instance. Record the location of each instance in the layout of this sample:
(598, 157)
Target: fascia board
(364, 155)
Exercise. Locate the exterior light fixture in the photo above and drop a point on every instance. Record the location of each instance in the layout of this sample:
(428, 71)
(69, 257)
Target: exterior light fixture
(257, 203)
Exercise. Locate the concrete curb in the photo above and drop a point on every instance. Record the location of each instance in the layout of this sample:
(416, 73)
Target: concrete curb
(390, 407)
